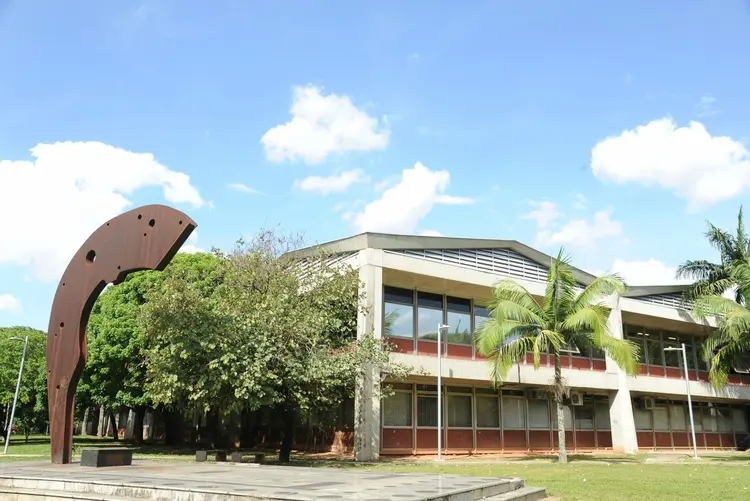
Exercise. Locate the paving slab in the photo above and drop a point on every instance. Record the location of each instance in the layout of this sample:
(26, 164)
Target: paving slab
(230, 482)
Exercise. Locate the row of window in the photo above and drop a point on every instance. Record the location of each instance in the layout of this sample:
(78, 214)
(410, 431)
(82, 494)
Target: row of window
(652, 343)
(467, 407)
(674, 416)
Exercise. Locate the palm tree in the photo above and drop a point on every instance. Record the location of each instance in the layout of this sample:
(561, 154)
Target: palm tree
(729, 345)
(567, 316)
(715, 279)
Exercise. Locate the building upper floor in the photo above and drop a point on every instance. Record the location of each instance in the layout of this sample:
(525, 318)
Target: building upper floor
(416, 283)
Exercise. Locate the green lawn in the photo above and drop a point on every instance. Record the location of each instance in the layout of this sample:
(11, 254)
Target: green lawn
(585, 478)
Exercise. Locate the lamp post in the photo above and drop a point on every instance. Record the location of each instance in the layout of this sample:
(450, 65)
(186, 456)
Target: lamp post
(18, 388)
(687, 387)
(440, 393)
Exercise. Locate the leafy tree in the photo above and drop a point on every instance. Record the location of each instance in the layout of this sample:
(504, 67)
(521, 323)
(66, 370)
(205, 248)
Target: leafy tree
(277, 332)
(729, 345)
(31, 409)
(716, 278)
(520, 323)
(115, 373)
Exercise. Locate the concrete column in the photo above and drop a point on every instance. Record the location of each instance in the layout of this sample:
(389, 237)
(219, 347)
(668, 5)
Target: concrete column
(369, 322)
(624, 439)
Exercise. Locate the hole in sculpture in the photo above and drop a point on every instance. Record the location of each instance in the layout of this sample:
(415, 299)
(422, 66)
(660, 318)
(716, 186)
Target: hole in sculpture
(152, 223)
(58, 386)
(91, 256)
(144, 234)
(180, 221)
(62, 324)
(118, 267)
(139, 216)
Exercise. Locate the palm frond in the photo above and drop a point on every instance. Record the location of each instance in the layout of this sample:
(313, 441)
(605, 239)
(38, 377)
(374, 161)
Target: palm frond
(698, 270)
(514, 302)
(598, 290)
(560, 292)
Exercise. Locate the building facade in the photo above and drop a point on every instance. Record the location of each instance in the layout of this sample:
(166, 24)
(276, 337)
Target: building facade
(416, 283)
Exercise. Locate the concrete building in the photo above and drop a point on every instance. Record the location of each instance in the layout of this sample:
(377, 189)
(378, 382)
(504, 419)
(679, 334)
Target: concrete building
(415, 283)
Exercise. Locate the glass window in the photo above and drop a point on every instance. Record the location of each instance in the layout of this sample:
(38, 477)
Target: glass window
(397, 409)
(689, 353)
(661, 419)
(584, 416)
(539, 413)
(697, 418)
(514, 413)
(488, 412)
(602, 416)
(426, 410)
(430, 300)
(427, 323)
(710, 419)
(725, 419)
(459, 328)
(678, 416)
(642, 419)
(459, 411)
(567, 417)
(672, 358)
(399, 321)
(396, 295)
(481, 315)
(654, 353)
(598, 354)
(458, 304)
(739, 420)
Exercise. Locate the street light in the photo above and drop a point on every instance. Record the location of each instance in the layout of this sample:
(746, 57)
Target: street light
(18, 388)
(440, 392)
(687, 386)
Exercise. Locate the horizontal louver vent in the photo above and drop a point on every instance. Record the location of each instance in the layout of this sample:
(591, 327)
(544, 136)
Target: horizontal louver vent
(674, 300)
(497, 261)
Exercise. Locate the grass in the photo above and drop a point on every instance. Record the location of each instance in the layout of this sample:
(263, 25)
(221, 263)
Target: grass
(586, 478)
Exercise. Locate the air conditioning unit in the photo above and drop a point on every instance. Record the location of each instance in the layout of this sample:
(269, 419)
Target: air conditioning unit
(648, 403)
(537, 395)
(576, 399)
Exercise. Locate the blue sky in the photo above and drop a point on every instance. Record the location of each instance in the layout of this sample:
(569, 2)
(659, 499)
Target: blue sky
(612, 128)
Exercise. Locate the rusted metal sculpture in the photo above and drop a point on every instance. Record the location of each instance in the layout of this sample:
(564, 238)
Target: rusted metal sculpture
(146, 238)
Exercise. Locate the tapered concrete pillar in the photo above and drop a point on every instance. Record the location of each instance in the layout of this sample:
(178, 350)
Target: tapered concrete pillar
(622, 423)
(367, 396)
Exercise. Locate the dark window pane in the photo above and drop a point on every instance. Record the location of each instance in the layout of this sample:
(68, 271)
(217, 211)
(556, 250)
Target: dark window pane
(400, 386)
(584, 416)
(488, 412)
(655, 353)
(672, 358)
(481, 311)
(398, 321)
(539, 414)
(597, 354)
(396, 295)
(459, 328)
(429, 300)
(426, 410)
(426, 387)
(486, 391)
(427, 323)
(459, 389)
(397, 410)
(459, 304)
(514, 413)
(459, 411)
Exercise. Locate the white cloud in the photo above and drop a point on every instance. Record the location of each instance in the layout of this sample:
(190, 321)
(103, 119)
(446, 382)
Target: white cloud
(545, 213)
(243, 188)
(403, 206)
(322, 125)
(581, 232)
(706, 106)
(9, 302)
(191, 246)
(51, 204)
(687, 160)
(579, 201)
(646, 272)
(453, 200)
(332, 184)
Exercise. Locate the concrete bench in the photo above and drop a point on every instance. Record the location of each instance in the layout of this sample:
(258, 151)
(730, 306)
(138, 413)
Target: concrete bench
(237, 456)
(106, 457)
(219, 454)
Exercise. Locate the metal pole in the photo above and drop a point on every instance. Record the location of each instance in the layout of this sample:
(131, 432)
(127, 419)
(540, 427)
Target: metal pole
(690, 403)
(15, 398)
(440, 397)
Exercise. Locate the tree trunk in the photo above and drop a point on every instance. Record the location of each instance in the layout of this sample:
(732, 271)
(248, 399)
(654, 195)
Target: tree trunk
(285, 453)
(113, 424)
(101, 431)
(173, 427)
(559, 395)
(85, 422)
(138, 424)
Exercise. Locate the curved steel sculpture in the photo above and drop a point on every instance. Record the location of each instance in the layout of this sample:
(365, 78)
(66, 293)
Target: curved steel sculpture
(146, 238)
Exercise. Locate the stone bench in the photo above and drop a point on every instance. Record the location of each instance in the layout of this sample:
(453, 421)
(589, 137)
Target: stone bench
(219, 454)
(106, 457)
(237, 456)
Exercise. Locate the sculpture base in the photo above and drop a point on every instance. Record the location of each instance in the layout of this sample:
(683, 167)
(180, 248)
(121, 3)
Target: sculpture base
(106, 457)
